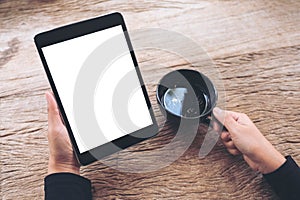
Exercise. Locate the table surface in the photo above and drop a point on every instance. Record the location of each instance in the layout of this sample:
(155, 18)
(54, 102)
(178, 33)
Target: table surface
(254, 47)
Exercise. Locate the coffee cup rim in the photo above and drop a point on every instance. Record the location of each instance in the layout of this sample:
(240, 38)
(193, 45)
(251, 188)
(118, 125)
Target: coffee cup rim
(204, 114)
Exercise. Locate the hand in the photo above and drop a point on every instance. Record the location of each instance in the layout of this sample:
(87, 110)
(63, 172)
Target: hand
(62, 158)
(243, 137)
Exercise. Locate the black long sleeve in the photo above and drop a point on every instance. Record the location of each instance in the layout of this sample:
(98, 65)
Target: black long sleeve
(65, 186)
(285, 181)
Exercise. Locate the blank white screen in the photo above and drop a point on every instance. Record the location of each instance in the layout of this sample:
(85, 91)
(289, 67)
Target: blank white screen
(65, 59)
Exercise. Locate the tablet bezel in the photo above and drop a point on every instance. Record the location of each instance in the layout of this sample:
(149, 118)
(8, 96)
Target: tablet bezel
(76, 30)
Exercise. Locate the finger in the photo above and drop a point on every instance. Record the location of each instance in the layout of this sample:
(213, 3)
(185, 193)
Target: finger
(229, 145)
(234, 152)
(54, 119)
(244, 119)
(225, 136)
(228, 118)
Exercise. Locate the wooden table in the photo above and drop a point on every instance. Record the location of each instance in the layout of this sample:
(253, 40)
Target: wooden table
(254, 45)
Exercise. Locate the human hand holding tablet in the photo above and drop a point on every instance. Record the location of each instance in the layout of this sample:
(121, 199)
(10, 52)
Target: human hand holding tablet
(91, 118)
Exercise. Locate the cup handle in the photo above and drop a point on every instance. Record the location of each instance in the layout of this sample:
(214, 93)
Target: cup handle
(210, 119)
(212, 136)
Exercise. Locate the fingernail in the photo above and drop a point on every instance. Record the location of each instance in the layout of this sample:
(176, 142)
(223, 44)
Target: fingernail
(217, 110)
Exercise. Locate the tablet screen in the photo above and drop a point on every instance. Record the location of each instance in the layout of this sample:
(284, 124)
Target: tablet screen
(65, 59)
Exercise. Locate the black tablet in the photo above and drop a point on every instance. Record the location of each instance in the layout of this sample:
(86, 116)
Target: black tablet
(95, 78)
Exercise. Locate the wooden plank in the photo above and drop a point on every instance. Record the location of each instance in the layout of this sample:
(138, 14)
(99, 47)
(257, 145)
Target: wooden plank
(255, 46)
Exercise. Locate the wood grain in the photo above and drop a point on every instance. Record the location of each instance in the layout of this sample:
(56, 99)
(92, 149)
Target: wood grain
(254, 45)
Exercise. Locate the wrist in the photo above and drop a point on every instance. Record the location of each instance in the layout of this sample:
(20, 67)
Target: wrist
(271, 162)
(55, 167)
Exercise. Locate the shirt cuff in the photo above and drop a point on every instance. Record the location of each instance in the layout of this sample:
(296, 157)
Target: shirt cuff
(67, 186)
(285, 180)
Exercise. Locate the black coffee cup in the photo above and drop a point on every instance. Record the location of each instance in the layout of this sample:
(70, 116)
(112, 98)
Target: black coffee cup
(186, 94)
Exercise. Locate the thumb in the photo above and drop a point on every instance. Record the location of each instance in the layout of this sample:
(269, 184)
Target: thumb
(226, 117)
(53, 111)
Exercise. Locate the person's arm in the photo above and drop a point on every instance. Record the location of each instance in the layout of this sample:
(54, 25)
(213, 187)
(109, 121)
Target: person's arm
(244, 138)
(286, 180)
(63, 180)
(67, 186)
